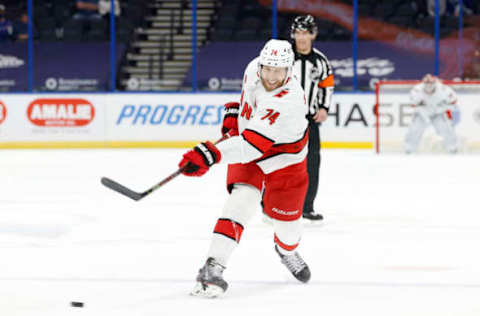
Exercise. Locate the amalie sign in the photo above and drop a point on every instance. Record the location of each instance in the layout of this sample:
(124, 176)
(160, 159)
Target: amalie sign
(61, 112)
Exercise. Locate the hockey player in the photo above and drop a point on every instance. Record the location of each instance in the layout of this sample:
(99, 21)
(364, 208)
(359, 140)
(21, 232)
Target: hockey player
(315, 74)
(267, 164)
(434, 103)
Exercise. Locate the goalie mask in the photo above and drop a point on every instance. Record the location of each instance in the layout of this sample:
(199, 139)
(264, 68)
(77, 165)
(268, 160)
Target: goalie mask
(303, 23)
(277, 53)
(429, 83)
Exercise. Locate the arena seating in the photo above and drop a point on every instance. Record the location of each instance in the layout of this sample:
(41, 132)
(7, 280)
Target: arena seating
(53, 20)
(247, 20)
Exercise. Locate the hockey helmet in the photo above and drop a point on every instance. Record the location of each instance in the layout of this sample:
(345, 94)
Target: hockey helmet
(277, 53)
(304, 23)
(429, 83)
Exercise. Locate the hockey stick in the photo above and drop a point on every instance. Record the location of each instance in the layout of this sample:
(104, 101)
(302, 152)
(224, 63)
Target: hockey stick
(115, 186)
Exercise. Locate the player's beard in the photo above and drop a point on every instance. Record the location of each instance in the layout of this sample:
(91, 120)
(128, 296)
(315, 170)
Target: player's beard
(272, 86)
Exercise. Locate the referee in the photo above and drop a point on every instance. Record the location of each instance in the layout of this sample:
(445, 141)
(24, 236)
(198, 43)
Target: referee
(315, 74)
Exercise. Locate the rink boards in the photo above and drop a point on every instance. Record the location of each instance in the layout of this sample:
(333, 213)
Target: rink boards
(158, 120)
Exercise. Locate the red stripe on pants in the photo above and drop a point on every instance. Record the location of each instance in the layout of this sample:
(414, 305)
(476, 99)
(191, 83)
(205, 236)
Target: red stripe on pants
(229, 228)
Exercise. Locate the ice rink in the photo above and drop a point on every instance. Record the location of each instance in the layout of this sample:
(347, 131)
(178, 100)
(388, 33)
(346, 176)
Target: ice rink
(401, 236)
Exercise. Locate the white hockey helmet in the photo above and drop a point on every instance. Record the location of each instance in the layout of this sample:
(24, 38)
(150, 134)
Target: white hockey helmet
(429, 83)
(277, 53)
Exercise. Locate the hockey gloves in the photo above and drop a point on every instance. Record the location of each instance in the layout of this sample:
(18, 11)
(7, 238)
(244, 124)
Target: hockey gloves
(230, 119)
(200, 159)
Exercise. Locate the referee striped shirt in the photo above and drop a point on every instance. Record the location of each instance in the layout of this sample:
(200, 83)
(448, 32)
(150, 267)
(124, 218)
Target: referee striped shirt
(315, 74)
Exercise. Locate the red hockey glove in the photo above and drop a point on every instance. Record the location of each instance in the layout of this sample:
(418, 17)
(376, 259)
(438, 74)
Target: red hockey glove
(200, 159)
(230, 119)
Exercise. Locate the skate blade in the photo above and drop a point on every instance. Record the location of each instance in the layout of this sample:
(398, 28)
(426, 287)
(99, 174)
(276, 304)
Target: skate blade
(207, 290)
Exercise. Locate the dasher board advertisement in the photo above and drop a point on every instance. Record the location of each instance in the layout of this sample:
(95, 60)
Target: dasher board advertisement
(52, 118)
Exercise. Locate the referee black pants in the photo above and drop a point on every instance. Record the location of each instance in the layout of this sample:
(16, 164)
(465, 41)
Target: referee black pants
(313, 164)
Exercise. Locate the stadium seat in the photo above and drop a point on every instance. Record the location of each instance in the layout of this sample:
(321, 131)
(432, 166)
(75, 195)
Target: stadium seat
(401, 20)
(225, 23)
(41, 12)
(123, 30)
(449, 21)
(62, 13)
(228, 12)
(97, 30)
(73, 30)
(247, 31)
(405, 9)
(46, 29)
(365, 9)
(222, 35)
(384, 10)
(245, 35)
(427, 25)
(250, 23)
(266, 33)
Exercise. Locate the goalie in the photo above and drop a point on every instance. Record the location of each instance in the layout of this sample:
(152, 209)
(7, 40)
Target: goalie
(433, 103)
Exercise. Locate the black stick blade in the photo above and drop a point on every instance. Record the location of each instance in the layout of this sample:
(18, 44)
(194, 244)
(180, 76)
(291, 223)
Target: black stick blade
(115, 186)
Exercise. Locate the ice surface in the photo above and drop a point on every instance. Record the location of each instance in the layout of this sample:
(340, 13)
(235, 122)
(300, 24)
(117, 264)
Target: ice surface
(400, 237)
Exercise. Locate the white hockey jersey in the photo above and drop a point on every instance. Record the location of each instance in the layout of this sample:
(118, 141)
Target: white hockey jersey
(272, 125)
(427, 105)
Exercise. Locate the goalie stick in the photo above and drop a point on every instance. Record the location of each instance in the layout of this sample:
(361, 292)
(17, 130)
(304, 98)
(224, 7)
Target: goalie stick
(136, 196)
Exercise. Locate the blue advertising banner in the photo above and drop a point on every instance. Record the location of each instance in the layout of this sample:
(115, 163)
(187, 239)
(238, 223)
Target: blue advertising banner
(221, 71)
(58, 66)
(13, 67)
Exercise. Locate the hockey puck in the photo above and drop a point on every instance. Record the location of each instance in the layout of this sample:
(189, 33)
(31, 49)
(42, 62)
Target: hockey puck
(76, 304)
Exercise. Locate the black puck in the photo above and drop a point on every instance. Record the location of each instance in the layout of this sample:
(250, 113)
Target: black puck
(76, 304)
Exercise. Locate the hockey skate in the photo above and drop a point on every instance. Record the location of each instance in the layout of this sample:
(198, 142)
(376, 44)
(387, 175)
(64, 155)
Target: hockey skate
(295, 265)
(313, 217)
(210, 282)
